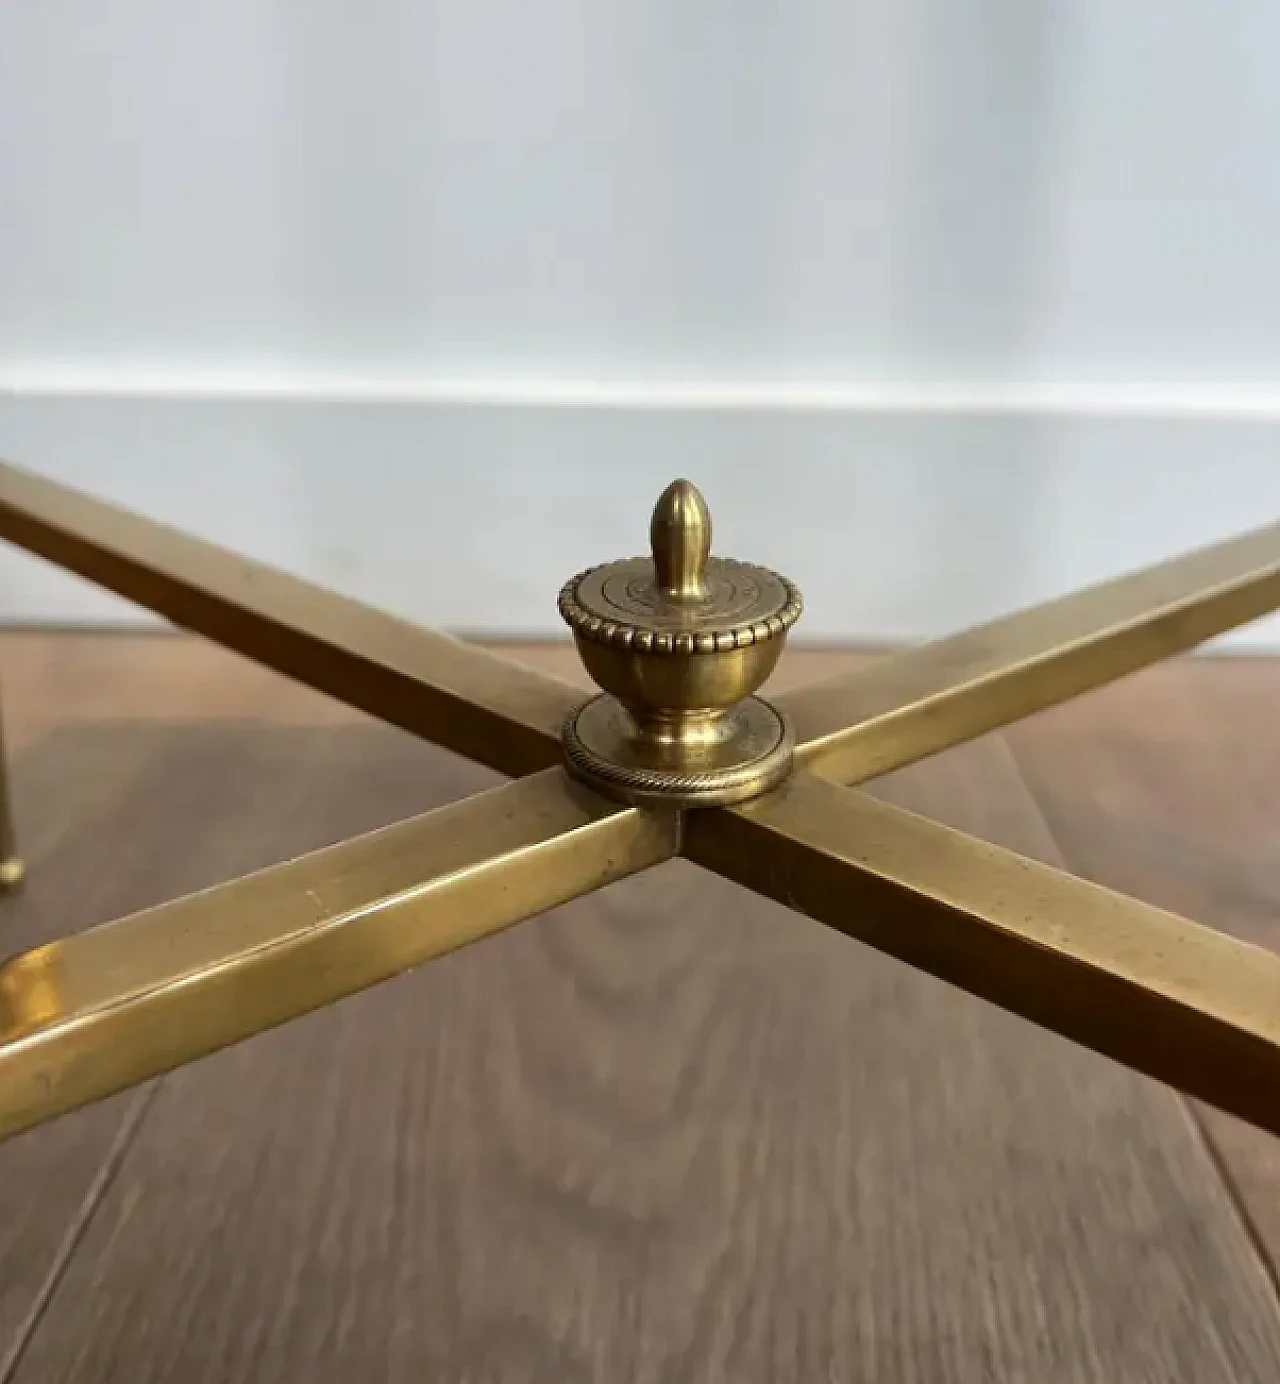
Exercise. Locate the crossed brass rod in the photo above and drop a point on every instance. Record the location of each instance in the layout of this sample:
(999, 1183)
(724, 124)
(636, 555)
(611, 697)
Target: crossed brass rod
(905, 707)
(485, 707)
(91, 1014)
(1180, 1002)
(88, 1015)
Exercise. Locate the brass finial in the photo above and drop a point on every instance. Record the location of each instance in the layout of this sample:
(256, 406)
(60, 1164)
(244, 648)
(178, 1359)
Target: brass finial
(679, 642)
(680, 537)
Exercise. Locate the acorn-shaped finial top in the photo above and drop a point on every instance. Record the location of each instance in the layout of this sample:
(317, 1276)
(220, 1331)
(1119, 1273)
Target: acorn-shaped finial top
(682, 600)
(680, 537)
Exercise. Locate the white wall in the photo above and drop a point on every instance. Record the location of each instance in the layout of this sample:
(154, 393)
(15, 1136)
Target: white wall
(949, 305)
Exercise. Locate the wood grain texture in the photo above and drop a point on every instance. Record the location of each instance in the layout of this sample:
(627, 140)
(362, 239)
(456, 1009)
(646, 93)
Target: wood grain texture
(1167, 786)
(48, 1185)
(109, 827)
(51, 679)
(671, 1132)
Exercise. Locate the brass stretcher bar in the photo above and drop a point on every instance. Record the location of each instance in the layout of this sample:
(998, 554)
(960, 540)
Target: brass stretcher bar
(87, 1015)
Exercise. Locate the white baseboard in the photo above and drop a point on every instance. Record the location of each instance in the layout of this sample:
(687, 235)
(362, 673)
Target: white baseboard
(902, 512)
(1118, 401)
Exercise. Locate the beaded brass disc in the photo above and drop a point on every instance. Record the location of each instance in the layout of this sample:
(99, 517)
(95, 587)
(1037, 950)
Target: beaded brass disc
(622, 604)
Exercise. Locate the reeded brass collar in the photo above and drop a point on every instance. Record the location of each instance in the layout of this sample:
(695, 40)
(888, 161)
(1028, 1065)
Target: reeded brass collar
(679, 642)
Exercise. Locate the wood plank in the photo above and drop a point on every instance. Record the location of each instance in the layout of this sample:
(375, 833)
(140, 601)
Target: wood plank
(51, 1182)
(1168, 787)
(670, 1132)
(115, 820)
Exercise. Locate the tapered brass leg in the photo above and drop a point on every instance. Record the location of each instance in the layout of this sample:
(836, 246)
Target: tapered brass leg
(12, 869)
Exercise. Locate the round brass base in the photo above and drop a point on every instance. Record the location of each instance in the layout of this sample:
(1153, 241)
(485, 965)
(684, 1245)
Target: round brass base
(605, 749)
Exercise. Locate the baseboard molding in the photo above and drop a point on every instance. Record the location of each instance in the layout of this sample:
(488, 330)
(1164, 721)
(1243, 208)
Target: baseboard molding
(1119, 401)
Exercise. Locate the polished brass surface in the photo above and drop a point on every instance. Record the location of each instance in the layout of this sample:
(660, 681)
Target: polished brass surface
(482, 706)
(12, 869)
(679, 641)
(910, 705)
(602, 747)
(91, 1014)
(1190, 1006)
(680, 540)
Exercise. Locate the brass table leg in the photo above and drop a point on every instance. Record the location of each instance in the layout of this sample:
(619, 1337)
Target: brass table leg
(12, 868)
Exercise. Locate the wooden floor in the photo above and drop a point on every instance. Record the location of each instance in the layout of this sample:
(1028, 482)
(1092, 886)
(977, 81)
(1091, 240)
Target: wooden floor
(668, 1133)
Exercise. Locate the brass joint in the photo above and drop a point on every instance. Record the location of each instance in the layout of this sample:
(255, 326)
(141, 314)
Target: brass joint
(679, 641)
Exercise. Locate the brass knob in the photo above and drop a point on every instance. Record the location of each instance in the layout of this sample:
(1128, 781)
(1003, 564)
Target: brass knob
(680, 538)
(679, 641)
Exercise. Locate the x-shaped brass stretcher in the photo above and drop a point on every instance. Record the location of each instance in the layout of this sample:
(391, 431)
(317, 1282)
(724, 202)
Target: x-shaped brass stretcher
(93, 1013)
